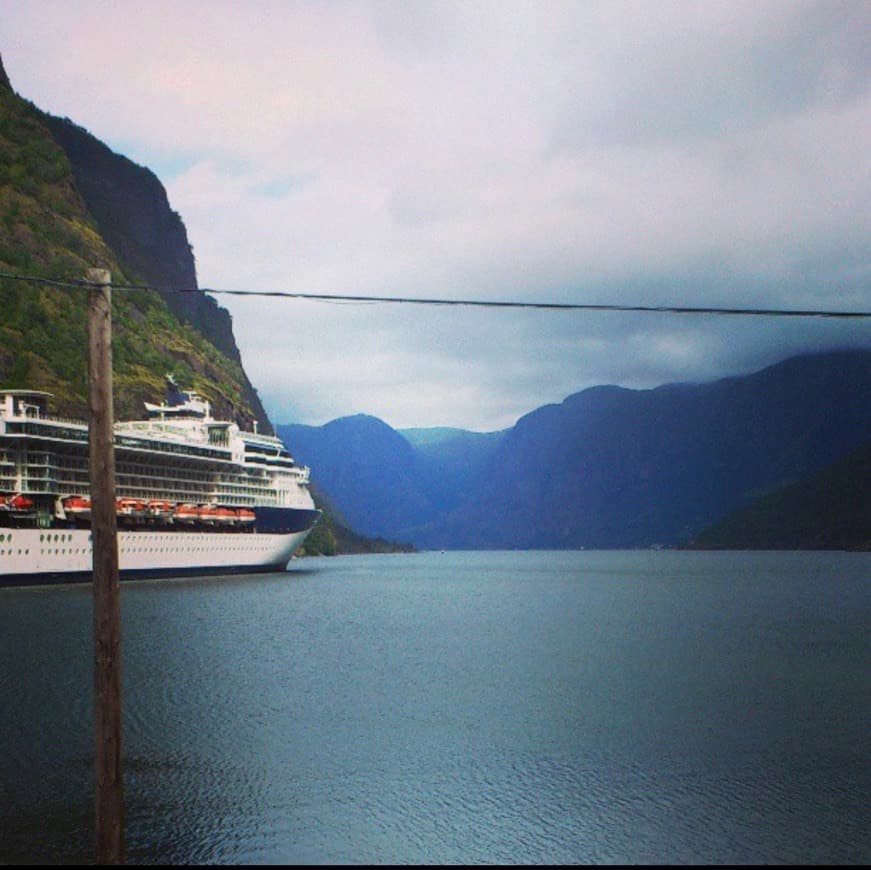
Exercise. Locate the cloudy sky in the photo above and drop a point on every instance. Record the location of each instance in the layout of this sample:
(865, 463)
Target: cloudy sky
(699, 153)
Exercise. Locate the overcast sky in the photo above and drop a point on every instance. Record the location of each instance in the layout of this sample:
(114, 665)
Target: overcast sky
(673, 153)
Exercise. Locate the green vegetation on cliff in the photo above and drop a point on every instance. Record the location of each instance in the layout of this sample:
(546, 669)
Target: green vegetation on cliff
(47, 230)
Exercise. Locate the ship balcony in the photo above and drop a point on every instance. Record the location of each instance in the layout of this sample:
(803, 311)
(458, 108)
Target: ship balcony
(45, 487)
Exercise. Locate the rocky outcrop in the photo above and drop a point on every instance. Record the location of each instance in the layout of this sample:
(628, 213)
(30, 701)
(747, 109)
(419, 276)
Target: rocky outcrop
(4, 79)
(134, 216)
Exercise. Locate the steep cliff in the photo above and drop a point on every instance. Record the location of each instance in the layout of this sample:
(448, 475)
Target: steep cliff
(67, 203)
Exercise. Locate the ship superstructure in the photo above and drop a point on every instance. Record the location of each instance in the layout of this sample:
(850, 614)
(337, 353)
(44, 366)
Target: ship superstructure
(178, 471)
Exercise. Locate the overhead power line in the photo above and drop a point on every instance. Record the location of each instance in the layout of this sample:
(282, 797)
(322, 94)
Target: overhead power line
(556, 306)
(478, 303)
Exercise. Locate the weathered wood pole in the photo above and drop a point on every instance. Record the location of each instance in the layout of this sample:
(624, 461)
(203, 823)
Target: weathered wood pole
(109, 797)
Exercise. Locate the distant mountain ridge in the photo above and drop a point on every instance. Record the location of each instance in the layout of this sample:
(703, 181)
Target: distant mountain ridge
(608, 467)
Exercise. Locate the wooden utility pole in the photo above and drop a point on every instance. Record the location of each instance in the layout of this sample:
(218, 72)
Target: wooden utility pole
(109, 803)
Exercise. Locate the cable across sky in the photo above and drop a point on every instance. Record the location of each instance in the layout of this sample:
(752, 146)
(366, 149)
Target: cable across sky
(478, 303)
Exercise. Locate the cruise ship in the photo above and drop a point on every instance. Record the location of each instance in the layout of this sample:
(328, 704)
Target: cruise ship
(194, 495)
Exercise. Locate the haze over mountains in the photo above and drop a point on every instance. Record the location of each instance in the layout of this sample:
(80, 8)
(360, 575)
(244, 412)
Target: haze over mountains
(608, 467)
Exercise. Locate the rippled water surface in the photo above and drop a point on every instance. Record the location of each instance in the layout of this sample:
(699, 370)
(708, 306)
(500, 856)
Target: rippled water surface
(646, 707)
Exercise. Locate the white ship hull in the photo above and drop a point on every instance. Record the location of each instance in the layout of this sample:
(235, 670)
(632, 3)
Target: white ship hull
(38, 556)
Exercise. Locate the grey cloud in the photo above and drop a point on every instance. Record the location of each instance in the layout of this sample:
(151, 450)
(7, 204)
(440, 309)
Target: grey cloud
(702, 84)
(416, 30)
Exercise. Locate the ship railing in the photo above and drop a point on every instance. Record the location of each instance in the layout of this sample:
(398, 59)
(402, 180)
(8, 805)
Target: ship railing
(161, 430)
(44, 418)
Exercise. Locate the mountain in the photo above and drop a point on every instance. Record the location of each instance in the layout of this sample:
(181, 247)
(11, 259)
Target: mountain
(387, 483)
(828, 510)
(68, 203)
(608, 467)
(611, 467)
(370, 472)
(457, 454)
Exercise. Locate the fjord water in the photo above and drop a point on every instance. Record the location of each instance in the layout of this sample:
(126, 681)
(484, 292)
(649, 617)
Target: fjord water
(511, 707)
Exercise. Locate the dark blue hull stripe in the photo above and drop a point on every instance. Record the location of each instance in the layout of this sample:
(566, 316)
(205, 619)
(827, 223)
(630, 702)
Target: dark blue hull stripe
(285, 520)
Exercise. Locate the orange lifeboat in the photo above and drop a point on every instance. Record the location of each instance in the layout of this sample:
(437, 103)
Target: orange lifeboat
(208, 514)
(19, 502)
(129, 508)
(185, 513)
(224, 516)
(245, 516)
(77, 507)
(159, 510)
